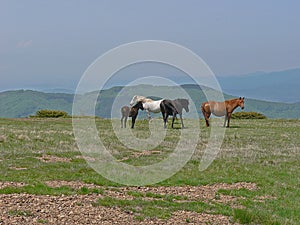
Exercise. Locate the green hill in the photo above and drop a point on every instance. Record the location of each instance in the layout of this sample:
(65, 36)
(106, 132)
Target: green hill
(22, 103)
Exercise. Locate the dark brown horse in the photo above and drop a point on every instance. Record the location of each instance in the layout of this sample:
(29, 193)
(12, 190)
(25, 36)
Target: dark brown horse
(132, 112)
(172, 108)
(221, 109)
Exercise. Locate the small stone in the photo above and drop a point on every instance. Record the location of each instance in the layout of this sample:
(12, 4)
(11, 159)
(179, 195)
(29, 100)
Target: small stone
(2, 138)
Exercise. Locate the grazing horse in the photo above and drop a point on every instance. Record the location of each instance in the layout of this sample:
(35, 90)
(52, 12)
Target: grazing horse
(148, 104)
(130, 112)
(173, 107)
(221, 108)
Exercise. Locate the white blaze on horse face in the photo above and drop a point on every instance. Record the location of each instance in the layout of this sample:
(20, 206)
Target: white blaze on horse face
(137, 99)
(133, 100)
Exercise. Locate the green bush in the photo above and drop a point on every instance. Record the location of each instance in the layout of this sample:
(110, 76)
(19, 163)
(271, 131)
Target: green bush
(248, 115)
(45, 113)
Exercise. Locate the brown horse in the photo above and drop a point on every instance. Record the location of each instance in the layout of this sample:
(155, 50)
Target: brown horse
(221, 108)
(130, 112)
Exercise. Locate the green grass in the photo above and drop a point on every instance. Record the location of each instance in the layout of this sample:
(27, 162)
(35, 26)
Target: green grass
(20, 213)
(155, 195)
(265, 152)
(162, 208)
(42, 189)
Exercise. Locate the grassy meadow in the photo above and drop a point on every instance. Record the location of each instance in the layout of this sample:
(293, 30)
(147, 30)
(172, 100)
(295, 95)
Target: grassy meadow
(264, 153)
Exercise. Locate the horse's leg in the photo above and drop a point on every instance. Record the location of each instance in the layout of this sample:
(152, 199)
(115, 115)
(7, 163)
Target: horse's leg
(125, 122)
(165, 120)
(228, 118)
(122, 121)
(133, 121)
(149, 116)
(174, 115)
(182, 125)
(206, 116)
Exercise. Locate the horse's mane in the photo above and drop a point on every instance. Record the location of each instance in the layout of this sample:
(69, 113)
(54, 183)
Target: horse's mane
(182, 101)
(232, 100)
(229, 100)
(142, 98)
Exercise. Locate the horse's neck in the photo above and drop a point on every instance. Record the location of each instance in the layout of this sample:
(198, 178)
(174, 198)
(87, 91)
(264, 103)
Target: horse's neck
(178, 106)
(234, 104)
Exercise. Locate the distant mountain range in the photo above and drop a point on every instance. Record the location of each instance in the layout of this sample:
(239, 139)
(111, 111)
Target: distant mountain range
(281, 86)
(22, 103)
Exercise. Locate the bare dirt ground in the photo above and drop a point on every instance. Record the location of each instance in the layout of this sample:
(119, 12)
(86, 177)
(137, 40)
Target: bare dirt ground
(79, 209)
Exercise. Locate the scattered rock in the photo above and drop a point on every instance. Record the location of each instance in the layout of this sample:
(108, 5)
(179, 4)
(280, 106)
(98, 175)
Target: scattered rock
(2, 138)
(11, 184)
(79, 209)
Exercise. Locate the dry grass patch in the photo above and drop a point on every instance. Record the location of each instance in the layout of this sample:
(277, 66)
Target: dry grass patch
(53, 159)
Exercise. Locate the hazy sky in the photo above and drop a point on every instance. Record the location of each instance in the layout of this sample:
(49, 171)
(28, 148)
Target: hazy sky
(49, 44)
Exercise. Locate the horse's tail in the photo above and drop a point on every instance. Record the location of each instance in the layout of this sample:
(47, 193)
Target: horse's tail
(171, 107)
(203, 108)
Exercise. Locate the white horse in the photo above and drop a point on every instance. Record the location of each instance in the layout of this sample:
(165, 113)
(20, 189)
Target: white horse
(148, 104)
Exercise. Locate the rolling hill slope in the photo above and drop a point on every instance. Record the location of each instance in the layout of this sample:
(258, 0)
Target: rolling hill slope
(22, 103)
(279, 86)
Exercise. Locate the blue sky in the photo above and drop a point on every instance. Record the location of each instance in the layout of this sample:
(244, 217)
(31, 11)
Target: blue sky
(49, 44)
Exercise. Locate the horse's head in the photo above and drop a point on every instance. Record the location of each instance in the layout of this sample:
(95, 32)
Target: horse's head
(241, 102)
(136, 99)
(185, 104)
(138, 105)
(133, 100)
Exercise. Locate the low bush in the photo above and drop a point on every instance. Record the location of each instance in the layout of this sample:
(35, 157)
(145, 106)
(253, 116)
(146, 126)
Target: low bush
(248, 115)
(45, 113)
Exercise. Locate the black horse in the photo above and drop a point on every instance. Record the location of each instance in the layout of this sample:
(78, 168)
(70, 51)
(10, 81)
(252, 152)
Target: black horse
(172, 108)
(130, 112)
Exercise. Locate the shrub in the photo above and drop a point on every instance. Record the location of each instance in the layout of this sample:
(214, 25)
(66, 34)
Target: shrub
(51, 113)
(248, 115)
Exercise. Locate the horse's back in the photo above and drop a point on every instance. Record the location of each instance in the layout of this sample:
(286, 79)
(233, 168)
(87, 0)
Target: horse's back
(125, 111)
(216, 108)
(153, 106)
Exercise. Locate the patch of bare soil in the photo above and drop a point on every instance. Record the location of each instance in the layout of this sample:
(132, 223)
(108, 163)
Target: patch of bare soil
(11, 184)
(88, 159)
(79, 209)
(191, 193)
(140, 154)
(52, 158)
